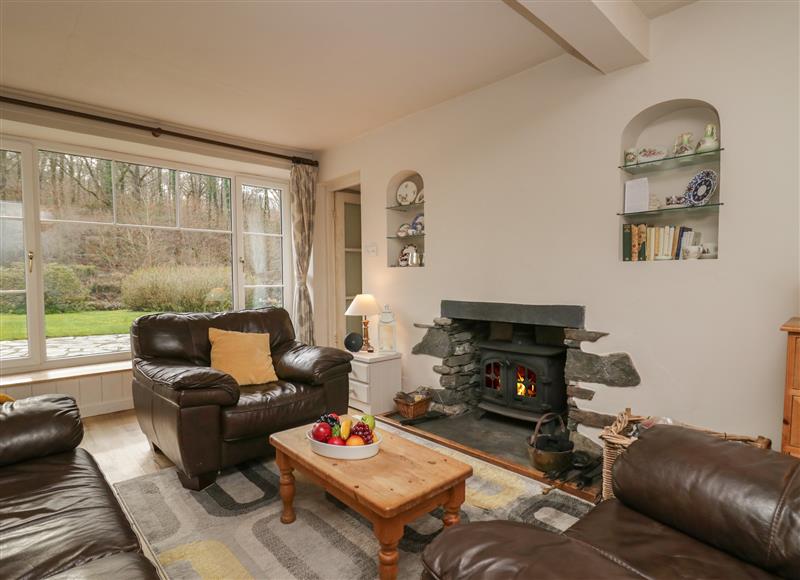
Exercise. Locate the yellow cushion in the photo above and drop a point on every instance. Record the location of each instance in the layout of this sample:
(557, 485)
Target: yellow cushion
(6, 398)
(243, 355)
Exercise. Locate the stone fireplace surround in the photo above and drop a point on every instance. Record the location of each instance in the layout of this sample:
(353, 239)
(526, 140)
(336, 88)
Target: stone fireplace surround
(454, 336)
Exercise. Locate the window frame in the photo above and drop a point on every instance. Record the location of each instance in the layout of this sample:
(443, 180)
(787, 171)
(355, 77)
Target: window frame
(30, 148)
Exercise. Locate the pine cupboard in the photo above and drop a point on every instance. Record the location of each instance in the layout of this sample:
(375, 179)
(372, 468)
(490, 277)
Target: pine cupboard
(790, 442)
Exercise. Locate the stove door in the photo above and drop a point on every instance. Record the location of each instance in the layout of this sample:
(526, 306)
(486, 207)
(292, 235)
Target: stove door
(494, 380)
(524, 388)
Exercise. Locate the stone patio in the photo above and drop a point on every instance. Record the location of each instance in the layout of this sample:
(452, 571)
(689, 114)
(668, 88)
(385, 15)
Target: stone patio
(69, 346)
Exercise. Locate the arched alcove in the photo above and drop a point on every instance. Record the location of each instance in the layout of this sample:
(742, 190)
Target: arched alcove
(671, 172)
(401, 215)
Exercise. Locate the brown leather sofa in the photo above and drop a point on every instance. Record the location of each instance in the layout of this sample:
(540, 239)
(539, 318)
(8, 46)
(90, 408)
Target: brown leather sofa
(200, 417)
(688, 506)
(58, 516)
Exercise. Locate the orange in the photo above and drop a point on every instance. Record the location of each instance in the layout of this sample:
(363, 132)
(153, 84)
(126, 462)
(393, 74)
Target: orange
(354, 440)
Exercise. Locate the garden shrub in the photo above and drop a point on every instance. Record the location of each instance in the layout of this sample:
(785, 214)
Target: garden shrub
(63, 289)
(178, 289)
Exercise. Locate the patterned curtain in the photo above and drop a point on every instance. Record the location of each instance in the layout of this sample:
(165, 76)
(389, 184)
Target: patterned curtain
(302, 188)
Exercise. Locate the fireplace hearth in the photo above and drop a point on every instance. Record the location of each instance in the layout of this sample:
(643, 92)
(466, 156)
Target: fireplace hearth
(520, 361)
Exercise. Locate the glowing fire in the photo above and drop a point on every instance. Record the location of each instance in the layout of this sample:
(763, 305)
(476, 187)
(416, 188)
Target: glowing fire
(526, 388)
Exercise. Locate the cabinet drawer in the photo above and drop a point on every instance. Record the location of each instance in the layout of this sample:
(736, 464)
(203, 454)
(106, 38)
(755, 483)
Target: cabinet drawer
(794, 419)
(359, 391)
(360, 371)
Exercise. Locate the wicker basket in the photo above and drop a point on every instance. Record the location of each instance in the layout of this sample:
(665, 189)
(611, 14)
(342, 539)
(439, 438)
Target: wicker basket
(412, 410)
(617, 439)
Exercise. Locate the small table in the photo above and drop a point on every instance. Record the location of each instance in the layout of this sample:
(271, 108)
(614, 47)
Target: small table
(401, 483)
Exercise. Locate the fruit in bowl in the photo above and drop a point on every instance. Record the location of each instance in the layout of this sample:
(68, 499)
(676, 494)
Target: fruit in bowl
(357, 435)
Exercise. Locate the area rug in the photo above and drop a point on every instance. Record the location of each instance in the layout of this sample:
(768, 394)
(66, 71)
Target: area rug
(232, 529)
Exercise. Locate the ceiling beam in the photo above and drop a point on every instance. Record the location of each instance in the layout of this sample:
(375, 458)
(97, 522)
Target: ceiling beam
(607, 35)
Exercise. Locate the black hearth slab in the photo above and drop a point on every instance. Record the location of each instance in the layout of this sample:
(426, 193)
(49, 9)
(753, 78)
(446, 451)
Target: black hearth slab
(566, 316)
(496, 435)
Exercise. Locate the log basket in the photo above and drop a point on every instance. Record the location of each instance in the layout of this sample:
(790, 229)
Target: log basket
(617, 438)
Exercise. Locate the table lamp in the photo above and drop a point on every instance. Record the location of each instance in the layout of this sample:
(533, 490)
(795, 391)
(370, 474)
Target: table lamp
(364, 305)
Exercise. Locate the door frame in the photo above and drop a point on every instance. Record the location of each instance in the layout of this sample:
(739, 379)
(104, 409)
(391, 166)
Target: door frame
(327, 208)
(340, 259)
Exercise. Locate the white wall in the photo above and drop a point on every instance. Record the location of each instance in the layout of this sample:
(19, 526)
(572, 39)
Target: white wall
(521, 194)
(94, 394)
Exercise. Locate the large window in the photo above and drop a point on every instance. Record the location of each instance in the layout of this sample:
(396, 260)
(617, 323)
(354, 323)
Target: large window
(113, 238)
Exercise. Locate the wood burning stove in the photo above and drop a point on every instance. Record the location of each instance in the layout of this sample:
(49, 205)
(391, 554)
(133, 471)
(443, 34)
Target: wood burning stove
(522, 380)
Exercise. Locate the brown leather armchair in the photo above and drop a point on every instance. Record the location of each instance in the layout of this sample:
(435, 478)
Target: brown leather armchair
(200, 417)
(688, 505)
(58, 516)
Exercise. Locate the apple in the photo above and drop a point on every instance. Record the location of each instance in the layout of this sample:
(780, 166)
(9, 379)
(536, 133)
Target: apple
(336, 441)
(354, 440)
(321, 432)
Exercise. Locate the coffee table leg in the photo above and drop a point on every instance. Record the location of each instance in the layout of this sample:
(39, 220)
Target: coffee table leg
(452, 509)
(389, 533)
(287, 486)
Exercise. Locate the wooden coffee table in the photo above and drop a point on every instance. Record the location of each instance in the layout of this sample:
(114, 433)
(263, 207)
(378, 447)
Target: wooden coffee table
(398, 485)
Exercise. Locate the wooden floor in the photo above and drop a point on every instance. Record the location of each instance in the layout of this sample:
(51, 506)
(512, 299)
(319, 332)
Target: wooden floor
(119, 446)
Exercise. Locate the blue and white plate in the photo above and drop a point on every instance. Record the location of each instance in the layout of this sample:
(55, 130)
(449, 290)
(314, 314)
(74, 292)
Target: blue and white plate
(701, 188)
(418, 224)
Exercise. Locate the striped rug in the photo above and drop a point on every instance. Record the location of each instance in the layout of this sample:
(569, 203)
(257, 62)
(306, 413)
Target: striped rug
(232, 529)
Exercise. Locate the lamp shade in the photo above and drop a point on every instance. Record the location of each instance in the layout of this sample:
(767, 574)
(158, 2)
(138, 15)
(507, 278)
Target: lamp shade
(363, 305)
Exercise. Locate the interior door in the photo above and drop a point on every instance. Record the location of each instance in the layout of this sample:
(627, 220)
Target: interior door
(347, 220)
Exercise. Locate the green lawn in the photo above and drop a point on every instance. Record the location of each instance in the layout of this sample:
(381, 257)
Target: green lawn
(12, 326)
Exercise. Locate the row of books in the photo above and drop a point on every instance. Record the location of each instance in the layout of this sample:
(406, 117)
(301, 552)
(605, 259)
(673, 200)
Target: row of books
(641, 243)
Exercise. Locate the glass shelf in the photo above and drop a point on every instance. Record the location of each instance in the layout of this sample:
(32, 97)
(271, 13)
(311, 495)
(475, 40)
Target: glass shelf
(674, 208)
(672, 162)
(414, 237)
(406, 207)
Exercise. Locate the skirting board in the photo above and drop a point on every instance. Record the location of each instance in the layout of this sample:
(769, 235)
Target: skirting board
(95, 394)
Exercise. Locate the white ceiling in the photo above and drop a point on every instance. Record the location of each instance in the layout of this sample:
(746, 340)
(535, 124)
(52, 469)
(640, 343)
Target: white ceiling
(306, 75)
(655, 8)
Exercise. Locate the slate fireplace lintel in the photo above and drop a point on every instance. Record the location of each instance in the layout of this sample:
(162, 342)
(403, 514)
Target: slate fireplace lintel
(566, 316)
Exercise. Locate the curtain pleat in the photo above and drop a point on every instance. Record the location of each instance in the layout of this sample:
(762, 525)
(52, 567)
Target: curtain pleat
(302, 188)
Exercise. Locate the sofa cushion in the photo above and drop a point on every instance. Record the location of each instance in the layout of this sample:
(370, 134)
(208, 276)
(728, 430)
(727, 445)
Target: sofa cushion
(57, 512)
(122, 566)
(507, 550)
(271, 407)
(185, 336)
(735, 497)
(243, 355)
(38, 426)
(655, 550)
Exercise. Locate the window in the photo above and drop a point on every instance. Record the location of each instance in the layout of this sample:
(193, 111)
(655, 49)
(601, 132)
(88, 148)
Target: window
(119, 238)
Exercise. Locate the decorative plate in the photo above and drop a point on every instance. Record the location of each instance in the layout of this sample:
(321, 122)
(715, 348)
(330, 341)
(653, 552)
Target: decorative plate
(405, 254)
(403, 230)
(418, 224)
(406, 193)
(420, 197)
(701, 187)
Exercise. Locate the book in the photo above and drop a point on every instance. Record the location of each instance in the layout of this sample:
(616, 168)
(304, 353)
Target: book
(651, 243)
(676, 234)
(635, 243)
(626, 242)
(659, 241)
(642, 242)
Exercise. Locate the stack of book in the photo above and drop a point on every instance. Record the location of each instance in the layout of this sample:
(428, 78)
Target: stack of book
(643, 243)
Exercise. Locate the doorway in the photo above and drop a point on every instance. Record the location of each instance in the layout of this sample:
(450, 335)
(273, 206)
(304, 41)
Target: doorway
(347, 259)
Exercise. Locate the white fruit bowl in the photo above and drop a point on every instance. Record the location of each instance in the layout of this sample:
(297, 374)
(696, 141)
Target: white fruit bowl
(344, 451)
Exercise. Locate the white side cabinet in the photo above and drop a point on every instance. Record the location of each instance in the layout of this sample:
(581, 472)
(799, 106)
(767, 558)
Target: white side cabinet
(374, 380)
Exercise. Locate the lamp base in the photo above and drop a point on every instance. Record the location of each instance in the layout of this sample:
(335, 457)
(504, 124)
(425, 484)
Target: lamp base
(367, 346)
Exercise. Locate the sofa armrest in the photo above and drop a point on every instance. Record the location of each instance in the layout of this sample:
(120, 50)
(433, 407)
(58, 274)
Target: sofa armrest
(37, 427)
(186, 384)
(312, 365)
